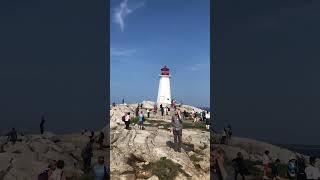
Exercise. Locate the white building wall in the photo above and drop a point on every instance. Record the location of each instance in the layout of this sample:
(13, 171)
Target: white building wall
(164, 92)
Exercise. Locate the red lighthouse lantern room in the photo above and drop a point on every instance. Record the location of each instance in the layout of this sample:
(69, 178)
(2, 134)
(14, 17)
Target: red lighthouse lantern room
(165, 71)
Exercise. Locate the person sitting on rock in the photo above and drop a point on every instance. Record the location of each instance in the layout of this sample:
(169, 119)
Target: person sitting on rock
(100, 171)
(176, 124)
(266, 160)
(239, 166)
(275, 168)
(58, 173)
(312, 171)
(86, 154)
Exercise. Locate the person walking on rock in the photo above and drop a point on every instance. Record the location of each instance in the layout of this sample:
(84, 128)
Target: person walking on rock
(176, 124)
(162, 110)
(86, 154)
(127, 120)
(42, 124)
(266, 160)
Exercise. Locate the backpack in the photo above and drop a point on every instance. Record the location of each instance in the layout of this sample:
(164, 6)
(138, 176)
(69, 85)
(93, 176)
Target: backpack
(123, 118)
(44, 175)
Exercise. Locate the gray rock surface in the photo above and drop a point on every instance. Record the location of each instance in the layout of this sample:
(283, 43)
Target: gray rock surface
(151, 144)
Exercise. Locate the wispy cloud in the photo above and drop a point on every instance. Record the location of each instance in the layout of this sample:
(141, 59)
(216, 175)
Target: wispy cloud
(122, 12)
(198, 67)
(122, 52)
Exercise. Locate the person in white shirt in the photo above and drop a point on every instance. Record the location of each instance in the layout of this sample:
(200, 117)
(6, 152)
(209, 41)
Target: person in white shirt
(312, 171)
(127, 121)
(207, 116)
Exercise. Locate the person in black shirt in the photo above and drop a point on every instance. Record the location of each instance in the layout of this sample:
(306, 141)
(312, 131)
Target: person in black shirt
(239, 166)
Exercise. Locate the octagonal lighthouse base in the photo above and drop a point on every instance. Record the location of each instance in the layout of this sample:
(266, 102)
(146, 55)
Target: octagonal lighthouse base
(164, 92)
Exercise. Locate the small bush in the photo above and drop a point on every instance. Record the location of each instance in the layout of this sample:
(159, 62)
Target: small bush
(165, 169)
(134, 120)
(195, 159)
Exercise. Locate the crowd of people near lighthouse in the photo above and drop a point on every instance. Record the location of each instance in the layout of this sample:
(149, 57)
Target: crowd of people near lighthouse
(175, 114)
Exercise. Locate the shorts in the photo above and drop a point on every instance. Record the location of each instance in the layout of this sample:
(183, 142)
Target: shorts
(140, 122)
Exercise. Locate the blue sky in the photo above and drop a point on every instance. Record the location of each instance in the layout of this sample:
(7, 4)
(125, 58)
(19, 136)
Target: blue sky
(146, 35)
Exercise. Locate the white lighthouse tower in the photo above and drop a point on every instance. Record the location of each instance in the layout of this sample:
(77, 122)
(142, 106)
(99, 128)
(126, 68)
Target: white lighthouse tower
(164, 92)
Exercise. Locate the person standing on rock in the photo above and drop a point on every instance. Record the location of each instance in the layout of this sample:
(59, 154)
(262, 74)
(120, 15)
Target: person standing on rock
(207, 120)
(58, 173)
(224, 136)
(86, 155)
(100, 170)
(127, 121)
(312, 171)
(162, 110)
(239, 167)
(13, 136)
(42, 124)
(229, 129)
(266, 160)
(137, 111)
(141, 119)
(148, 112)
(292, 169)
(176, 124)
(100, 140)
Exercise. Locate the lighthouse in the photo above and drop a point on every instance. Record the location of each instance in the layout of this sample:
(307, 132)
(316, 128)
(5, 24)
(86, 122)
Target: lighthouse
(164, 92)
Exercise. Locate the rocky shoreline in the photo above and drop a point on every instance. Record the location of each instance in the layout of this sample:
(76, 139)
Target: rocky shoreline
(25, 159)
